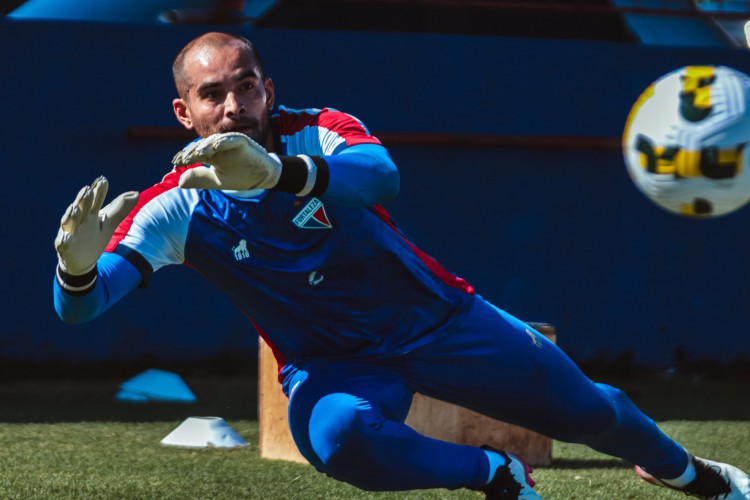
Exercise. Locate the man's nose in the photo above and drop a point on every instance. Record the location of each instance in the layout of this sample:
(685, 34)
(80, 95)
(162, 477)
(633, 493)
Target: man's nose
(234, 106)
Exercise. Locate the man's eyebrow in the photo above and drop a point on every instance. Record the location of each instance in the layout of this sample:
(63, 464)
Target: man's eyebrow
(207, 86)
(210, 85)
(248, 73)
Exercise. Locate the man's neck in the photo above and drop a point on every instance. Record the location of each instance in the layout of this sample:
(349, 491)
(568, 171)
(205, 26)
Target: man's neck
(273, 139)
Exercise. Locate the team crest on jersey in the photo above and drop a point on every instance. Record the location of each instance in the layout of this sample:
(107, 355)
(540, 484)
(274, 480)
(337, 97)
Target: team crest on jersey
(312, 216)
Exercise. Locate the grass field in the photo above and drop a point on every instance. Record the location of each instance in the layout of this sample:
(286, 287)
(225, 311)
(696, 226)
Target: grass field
(72, 440)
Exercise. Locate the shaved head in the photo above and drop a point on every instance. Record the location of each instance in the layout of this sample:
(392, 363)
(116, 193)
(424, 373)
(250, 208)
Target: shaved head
(210, 40)
(222, 87)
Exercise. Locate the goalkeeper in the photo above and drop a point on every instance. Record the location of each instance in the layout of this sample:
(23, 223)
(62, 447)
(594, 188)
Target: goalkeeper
(282, 212)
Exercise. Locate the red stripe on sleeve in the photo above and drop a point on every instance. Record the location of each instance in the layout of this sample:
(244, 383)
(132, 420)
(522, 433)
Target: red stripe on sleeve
(345, 125)
(348, 127)
(170, 181)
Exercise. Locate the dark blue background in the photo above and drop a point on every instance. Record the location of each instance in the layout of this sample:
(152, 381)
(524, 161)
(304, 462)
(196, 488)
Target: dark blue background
(556, 235)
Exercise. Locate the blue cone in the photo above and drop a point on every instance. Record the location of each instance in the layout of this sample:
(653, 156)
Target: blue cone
(156, 385)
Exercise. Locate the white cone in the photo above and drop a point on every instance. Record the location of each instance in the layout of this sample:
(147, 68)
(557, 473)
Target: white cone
(204, 432)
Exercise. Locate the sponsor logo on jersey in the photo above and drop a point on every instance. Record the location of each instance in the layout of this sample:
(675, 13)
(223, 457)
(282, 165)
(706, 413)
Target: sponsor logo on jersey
(312, 216)
(315, 279)
(240, 251)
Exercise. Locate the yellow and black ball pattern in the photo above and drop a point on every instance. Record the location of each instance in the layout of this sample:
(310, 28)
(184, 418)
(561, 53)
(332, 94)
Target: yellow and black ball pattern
(685, 140)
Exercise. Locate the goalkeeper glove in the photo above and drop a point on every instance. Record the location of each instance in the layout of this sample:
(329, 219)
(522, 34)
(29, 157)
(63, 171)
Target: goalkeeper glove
(85, 230)
(237, 163)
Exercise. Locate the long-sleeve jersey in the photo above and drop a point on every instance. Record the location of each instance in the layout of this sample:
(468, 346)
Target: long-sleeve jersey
(317, 276)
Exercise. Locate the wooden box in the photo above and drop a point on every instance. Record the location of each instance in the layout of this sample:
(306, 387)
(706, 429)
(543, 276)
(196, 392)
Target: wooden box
(427, 416)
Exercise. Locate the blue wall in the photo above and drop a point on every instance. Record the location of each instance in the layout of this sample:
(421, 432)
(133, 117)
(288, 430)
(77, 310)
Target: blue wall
(551, 235)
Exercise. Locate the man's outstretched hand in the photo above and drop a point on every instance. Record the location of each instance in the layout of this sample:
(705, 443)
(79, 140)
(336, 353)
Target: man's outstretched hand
(236, 163)
(86, 227)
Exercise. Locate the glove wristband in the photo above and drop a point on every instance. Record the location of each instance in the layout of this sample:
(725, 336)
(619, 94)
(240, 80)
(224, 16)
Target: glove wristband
(76, 284)
(303, 175)
(312, 175)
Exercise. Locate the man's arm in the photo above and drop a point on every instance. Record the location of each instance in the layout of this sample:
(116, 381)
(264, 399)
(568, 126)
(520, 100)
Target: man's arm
(116, 277)
(359, 175)
(86, 281)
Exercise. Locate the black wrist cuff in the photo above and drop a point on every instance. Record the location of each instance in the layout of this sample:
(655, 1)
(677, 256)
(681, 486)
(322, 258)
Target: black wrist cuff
(295, 173)
(76, 284)
(321, 181)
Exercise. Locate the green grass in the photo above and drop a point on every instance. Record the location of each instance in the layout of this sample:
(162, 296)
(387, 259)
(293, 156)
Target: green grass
(43, 457)
(111, 460)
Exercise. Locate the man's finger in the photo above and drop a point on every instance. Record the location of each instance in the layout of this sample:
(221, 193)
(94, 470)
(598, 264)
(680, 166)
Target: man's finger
(228, 141)
(179, 159)
(200, 154)
(192, 153)
(60, 240)
(203, 150)
(235, 140)
(117, 210)
(99, 187)
(79, 201)
(68, 223)
(200, 178)
(86, 202)
(72, 216)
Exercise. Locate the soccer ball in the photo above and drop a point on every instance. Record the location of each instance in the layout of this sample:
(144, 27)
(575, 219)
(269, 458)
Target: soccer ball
(685, 141)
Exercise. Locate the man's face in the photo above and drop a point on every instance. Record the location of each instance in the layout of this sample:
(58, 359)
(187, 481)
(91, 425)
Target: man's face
(226, 94)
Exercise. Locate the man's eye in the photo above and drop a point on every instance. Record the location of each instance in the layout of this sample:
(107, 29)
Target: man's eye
(212, 95)
(245, 87)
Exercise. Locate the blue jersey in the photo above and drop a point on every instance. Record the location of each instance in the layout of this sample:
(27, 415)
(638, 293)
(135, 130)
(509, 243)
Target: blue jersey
(316, 277)
(344, 299)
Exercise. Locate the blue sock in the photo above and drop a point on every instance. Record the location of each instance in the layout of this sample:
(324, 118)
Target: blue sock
(496, 460)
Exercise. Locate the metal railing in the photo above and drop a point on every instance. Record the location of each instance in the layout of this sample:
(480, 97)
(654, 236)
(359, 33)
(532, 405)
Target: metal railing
(729, 8)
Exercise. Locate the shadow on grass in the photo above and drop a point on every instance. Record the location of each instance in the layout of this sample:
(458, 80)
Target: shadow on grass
(47, 401)
(686, 397)
(694, 388)
(593, 463)
(229, 390)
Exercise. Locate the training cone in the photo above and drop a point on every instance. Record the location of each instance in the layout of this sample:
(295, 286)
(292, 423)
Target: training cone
(156, 385)
(204, 432)
(131, 396)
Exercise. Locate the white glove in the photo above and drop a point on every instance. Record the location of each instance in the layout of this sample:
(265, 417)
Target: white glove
(237, 163)
(86, 227)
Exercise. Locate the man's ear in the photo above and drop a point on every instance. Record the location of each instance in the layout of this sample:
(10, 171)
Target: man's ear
(182, 113)
(270, 93)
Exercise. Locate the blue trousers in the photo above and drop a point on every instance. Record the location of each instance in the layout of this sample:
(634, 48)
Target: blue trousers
(347, 414)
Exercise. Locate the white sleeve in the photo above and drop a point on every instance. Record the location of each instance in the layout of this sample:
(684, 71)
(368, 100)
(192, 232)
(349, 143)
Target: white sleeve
(159, 229)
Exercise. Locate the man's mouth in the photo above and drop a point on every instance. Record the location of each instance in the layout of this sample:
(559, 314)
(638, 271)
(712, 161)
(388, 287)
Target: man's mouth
(244, 126)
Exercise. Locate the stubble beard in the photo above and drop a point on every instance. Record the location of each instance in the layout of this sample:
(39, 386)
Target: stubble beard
(256, 129)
